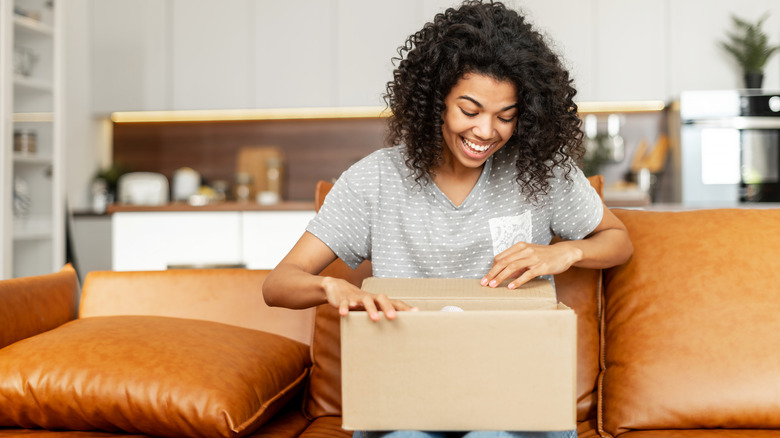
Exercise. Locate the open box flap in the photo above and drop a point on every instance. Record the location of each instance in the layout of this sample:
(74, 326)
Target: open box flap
(461, 289)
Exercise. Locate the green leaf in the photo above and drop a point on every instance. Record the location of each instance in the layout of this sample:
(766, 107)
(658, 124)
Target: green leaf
(748, 44)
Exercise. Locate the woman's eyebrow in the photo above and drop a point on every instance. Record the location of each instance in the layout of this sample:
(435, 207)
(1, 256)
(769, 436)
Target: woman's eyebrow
(475, 102)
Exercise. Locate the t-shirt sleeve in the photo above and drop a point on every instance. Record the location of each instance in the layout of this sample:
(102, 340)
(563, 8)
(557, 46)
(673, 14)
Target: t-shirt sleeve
(342, 222)
(577, 208)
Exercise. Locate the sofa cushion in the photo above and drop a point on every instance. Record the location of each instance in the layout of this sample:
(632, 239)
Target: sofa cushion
(691, 323)
(230, 296)
(288, 423)
(323, 393)
(31, 305)
(40, 433)
(703, 433)
(326, 427)
(324, 386)
(580, 289)
(154, 375)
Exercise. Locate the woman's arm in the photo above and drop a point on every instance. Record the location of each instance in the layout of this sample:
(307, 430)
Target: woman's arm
(606, 246)
(294, 283)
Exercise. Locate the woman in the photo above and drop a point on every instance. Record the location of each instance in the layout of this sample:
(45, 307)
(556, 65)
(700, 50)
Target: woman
(480, 176)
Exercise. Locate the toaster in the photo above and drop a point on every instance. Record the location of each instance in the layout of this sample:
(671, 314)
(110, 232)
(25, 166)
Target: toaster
(143, 188)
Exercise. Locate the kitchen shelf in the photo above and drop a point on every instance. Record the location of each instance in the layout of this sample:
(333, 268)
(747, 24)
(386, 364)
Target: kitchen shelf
(31, 84)
(32, 235)
(33, 228)
(26, 158)
(32, 27)
(40, 117)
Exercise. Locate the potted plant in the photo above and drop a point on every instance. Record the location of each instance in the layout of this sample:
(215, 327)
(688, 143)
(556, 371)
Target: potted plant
(750, 47)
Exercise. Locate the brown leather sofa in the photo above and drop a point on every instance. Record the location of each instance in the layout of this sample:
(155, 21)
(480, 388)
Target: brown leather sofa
(680, 341)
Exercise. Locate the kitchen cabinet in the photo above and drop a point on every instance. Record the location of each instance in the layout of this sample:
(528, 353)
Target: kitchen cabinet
(32, 207)
(614, 49)
(158, 240)
(367, 37)
(201, 54)
(91, 239)
(130, 55)
(571, 36)
(268, 236)
(291, 67)
(631, 56)
(212, 52)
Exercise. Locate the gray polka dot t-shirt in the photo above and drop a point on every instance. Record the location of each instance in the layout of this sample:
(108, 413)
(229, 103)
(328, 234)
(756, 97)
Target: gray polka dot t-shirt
(376, 211)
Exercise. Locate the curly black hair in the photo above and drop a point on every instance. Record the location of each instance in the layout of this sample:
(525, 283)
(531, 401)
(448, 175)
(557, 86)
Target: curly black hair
(489, 39)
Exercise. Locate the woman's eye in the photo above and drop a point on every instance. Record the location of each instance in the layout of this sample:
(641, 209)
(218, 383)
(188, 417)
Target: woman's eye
(507, 120)
(468, 114)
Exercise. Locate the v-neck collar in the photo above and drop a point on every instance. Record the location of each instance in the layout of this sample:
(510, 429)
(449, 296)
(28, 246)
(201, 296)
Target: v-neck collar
(446, 202)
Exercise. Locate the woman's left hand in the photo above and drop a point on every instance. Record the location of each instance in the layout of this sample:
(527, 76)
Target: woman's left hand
(525, 261)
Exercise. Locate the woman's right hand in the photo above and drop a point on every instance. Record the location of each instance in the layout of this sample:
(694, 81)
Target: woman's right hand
(294, 284)
(345, 296)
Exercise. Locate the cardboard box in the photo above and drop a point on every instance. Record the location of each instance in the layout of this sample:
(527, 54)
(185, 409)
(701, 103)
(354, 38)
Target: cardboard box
(507, 362)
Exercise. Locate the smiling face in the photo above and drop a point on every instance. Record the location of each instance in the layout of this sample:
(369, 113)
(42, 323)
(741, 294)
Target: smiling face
(480, 117)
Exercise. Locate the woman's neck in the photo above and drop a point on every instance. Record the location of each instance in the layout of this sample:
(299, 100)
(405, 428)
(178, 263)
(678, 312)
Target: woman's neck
(456, 181)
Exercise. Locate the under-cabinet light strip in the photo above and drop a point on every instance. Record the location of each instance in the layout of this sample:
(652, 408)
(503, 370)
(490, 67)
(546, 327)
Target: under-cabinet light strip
(637, 106)
(333, 113)
(247, 114)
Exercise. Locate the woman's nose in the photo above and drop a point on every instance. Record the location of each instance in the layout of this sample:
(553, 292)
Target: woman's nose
(484, 128)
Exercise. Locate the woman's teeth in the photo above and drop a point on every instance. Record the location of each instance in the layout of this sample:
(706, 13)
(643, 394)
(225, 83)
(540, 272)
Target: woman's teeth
(474, 146)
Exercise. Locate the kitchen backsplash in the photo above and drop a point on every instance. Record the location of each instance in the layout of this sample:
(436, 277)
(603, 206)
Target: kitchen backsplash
(321, 149)
(313, 149)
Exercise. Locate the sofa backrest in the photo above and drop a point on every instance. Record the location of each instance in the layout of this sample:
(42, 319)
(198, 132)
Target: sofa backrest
(577, 288)
(230, 296)
(691, 325)
(32, 305)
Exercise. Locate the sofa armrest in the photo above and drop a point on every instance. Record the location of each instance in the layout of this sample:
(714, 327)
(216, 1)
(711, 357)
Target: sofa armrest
(229, 296)
(33, 305)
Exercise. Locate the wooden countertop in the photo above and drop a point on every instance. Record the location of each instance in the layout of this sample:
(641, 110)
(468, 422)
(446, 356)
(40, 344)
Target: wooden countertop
(216, 206)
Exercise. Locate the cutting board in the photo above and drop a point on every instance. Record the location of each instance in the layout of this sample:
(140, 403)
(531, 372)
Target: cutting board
(253, 160)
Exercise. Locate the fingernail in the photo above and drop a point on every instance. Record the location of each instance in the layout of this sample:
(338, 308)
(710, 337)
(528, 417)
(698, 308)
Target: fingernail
(390, 314)
(493, 283)
(511, 286)
(484, 282)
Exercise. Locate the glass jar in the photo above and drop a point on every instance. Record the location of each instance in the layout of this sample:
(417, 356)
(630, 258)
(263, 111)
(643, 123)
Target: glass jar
(243, 187)
(25, 141)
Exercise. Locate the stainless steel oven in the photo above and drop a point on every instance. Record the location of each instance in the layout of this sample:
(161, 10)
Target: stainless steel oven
(729, 147)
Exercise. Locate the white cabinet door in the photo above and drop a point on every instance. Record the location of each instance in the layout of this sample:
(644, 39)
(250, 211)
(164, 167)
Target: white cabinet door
(367, 38)
(572, 36)
(129, 55)
(632, 56)
(212, 45)
(294, 53)
(157, 240)
(269, 235)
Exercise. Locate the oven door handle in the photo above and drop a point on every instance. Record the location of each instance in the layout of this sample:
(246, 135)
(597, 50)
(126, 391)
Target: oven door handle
(736, 123)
